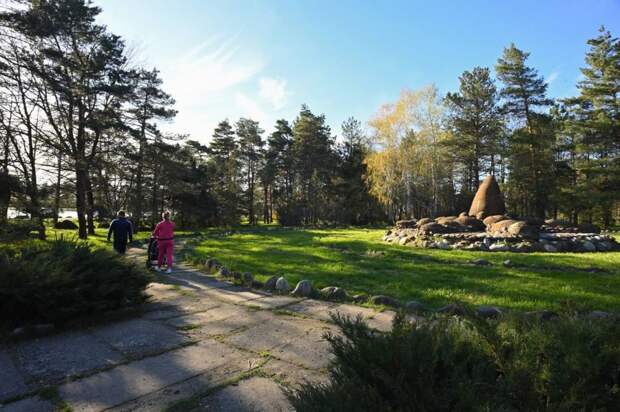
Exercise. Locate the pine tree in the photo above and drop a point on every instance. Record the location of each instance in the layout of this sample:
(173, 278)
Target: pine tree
(224, 166)
(531, 167)
(593, 123)
(250, 158)
(476, 127)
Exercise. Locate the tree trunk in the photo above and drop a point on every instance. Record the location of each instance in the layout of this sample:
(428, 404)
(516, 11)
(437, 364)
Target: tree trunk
(57, 188)
(80, 199)
(91, 206)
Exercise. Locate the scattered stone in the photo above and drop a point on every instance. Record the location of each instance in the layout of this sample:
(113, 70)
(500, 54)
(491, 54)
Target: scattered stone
(589, 246)
(415, 306)
(544, 315)
(481, 262)
(508, 263)
(359, 298)
(491, 312)
(223, 271)
(303, 288)
(334, 293)
(247, 278)
(257, 284)
(550, 248)
(452, 309)
(598, 314)
(282, 285)
(236, 276)
(270, 284)
(499, 247)
(384, 300)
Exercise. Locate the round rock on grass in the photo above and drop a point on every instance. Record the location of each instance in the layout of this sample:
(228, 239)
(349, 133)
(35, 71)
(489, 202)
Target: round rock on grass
(360, 298)
(384, 300)
(414, 306)
(247, 278)
(303, 288)
(489, 312)
(452, 309)
(508, 263)
(598, 314)
(270, 284)
(333, 293)
(282, 285)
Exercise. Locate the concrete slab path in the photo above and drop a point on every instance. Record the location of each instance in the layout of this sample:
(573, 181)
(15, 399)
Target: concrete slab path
(200, 344)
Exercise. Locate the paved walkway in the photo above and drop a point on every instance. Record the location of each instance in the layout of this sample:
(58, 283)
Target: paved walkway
(200, 345)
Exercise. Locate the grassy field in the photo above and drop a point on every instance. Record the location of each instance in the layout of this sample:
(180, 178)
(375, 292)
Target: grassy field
(357, 260)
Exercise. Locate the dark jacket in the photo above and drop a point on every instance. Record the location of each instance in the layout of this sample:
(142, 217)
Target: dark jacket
(122, 230)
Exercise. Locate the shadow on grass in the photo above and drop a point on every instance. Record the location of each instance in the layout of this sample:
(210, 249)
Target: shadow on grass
(340, 257)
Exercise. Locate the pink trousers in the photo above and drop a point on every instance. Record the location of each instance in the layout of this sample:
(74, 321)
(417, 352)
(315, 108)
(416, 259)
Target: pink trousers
(165, 249)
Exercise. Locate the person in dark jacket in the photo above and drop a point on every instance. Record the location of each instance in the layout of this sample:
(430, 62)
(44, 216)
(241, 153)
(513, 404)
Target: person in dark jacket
(122, 230)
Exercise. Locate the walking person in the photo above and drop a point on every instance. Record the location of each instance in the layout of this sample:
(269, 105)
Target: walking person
(164, 233)
(121, 228)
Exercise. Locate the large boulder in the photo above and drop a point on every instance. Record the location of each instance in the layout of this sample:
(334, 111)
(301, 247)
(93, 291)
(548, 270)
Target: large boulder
(471, 223)
(424, 221)
(488, 199)
(444, 220)
(406, 224)
(433, 227)
(588, 228)
(523, 229)
(491, 220)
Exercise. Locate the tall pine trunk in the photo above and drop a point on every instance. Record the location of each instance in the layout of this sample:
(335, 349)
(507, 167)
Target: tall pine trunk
(91, 206)
(80, 197)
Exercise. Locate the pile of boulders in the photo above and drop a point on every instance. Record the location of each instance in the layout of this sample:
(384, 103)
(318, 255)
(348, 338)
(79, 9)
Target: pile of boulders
(487, 227)
(500, 233)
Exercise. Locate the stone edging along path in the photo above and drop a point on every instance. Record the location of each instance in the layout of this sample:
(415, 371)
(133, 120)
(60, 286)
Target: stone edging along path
(199, 343)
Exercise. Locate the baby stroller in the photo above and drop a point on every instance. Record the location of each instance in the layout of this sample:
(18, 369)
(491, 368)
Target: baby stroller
(151, 254)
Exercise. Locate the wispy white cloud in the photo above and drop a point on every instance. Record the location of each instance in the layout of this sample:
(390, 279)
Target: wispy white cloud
(249, 107)
(204, 80)
(273, 91)
(552, 77)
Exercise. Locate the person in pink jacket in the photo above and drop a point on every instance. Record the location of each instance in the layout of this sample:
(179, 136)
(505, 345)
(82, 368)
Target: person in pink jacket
(164, 233)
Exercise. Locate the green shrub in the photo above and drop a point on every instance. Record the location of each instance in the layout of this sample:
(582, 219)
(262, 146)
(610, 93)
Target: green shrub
(17, 229)
(65, 224)
(63, 280)
(452, 364)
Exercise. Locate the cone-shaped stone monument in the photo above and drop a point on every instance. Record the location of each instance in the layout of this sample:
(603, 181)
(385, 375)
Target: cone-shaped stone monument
(488, 199)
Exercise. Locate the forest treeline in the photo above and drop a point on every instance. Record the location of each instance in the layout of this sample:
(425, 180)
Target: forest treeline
(79, 127)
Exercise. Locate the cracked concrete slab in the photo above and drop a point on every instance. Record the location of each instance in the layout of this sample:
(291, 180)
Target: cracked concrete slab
(271, 302)
(139, 337)
(293, 375)
(228, 322)
(33, 404)
(313, 308)
(11, 381)
(53, 358)
(310, 350)
(136, 379)
(256, 394)
(276, 332)
(195, 386)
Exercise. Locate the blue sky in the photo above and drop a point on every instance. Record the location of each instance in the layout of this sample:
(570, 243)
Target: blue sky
(263, 59)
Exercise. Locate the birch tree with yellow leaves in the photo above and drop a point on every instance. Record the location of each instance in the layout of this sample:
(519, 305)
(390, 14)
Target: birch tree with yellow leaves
(410, 170)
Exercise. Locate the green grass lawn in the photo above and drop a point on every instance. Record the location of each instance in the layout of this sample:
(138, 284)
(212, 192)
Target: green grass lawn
(357, 260)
